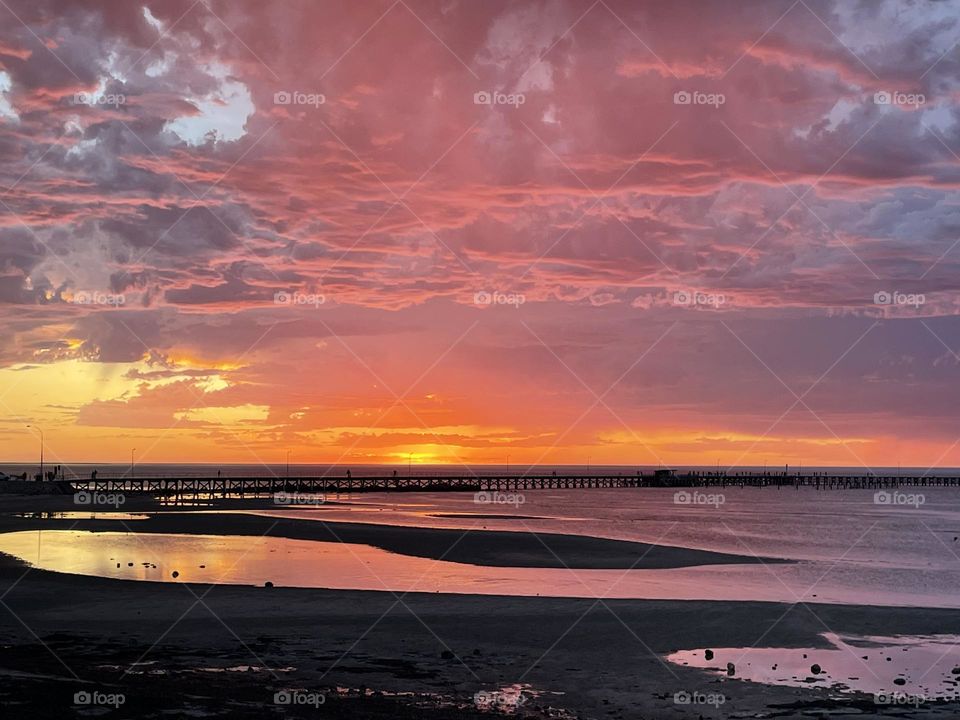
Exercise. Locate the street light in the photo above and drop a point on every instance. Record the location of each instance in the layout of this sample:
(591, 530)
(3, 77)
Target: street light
(132, 451)
(39, 430)
(288, 464)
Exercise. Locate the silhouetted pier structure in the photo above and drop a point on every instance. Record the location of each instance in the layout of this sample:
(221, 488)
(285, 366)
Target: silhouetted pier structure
(330, 484)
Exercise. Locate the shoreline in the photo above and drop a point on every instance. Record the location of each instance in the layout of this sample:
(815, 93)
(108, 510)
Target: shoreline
(434, 646)
(196, 649)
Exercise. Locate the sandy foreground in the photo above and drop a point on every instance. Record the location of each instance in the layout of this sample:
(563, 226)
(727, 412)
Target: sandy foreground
(189, 650)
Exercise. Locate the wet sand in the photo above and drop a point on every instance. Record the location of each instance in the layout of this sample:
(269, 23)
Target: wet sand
(60, 634)
(475, 547)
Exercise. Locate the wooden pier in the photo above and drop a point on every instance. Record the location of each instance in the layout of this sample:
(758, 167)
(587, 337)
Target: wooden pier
(265, 486)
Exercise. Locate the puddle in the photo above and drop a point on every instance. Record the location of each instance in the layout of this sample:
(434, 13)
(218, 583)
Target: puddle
(81, 515)
(507, 699)
(896, 670)
(485, 516)
(245, 669)
(504, 700)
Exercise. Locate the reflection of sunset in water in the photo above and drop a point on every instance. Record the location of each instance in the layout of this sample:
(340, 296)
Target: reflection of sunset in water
(900, 671)
(287, 562)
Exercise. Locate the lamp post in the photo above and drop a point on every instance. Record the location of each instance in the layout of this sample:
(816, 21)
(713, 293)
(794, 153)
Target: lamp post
(288, 464)
(132, 451)
(39, 430)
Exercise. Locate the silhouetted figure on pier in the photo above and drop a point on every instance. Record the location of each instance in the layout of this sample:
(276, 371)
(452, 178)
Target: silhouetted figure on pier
(93, 475)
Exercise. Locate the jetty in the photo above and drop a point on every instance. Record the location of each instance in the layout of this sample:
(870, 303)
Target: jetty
(493, 482)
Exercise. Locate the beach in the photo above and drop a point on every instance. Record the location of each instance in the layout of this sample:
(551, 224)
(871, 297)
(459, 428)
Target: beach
(195, 649)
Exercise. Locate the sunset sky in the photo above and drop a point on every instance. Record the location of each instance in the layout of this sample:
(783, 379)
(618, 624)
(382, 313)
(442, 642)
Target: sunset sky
(559, 232)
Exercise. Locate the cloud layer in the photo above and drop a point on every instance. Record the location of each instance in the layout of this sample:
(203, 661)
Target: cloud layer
(472, 231)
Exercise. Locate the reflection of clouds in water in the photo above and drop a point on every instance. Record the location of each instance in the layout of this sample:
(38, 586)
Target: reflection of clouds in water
(886, 554)
(898, 668)
(335, 565)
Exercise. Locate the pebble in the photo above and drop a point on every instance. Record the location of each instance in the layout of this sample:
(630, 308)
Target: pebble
(708, 654)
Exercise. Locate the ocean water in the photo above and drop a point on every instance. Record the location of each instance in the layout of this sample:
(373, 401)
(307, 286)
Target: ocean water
(848, 546)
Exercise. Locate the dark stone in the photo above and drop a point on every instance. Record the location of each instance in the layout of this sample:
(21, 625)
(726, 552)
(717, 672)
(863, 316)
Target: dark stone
(708, 654)
(447, 655)
(816, 669)
(268, 584)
